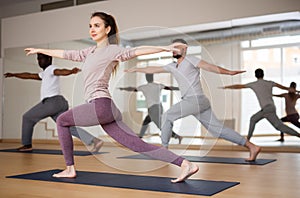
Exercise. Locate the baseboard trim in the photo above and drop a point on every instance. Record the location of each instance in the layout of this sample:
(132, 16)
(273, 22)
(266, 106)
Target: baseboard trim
(218, 147)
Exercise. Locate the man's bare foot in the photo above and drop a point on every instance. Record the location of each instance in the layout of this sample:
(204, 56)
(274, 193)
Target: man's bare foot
(97, 145)
(69, 172)
(187, 169)
(254, 151)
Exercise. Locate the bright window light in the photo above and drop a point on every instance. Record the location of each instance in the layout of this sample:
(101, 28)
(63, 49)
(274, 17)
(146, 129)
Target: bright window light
(275, 41)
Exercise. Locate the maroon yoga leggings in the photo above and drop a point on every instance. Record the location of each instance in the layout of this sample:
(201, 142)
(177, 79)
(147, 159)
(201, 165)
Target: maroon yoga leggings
(102, 111)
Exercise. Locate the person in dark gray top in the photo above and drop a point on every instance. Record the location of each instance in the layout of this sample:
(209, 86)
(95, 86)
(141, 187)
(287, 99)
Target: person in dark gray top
(152, 91)
(263, 90)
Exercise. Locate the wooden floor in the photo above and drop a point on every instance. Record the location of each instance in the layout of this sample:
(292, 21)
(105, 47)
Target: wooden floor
(277, 179)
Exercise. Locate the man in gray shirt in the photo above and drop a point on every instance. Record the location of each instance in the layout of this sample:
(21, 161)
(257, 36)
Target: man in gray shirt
(263, 91)
(186, 72)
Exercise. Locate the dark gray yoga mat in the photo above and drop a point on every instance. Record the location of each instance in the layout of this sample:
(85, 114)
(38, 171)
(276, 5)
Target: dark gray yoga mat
(150, 183)
(206, 159)
(51, 152)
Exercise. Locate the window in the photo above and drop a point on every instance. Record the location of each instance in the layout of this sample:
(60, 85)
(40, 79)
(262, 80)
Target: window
(279, 58)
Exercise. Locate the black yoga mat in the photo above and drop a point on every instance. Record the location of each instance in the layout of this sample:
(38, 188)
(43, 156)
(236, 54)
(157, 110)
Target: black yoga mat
(150, 183)
(51, 152)
(206, 159)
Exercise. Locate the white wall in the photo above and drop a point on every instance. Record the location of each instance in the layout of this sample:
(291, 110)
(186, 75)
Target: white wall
(72, 23)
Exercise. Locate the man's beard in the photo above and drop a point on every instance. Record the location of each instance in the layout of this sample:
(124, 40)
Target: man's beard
(177, 56)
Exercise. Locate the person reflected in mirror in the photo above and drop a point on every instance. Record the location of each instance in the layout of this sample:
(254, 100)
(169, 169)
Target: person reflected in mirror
(292, 115)
(263, 91)
(152, 92)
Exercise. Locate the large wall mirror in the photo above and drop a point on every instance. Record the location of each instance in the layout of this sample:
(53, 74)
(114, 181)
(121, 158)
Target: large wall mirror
(274, 47)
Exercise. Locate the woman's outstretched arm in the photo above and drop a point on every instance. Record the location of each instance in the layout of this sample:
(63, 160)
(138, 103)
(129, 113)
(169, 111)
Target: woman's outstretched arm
(147, 70)
(144, 50)
(50, 52)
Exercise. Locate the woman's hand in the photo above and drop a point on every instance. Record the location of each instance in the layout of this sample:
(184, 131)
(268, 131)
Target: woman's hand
(30, 51)
(175, 47)
(232, 73)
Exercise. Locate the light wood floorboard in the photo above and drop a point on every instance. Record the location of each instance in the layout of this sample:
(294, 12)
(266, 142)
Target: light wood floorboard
(277, 179)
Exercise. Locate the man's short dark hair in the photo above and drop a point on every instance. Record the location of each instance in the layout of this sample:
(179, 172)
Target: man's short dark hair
(259, 73)
(149, 77)
(293, 85)
(39, 55)
(179, 40)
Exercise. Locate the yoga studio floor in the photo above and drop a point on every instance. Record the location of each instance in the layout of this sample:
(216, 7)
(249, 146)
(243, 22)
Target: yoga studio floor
(276, 179)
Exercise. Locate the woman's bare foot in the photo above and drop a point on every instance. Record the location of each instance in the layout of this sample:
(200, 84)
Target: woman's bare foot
(254, 151)
(69, 172)
(187, 169)
(97, 145)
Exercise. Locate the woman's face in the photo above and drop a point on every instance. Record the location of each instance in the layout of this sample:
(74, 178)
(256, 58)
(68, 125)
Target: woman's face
(98, 31)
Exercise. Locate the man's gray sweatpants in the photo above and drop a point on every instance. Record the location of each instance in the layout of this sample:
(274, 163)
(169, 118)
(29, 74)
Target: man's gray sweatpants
(200, 108)
(269, 112)
(49, 107)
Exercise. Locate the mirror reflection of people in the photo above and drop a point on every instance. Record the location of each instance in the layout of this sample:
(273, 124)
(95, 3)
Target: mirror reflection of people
(263, 91)
(292, 115)
(152, 92)
(52, 102)
(186, 71)
(99, 63)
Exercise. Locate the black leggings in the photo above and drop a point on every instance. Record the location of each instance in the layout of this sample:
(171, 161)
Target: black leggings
(292, 118)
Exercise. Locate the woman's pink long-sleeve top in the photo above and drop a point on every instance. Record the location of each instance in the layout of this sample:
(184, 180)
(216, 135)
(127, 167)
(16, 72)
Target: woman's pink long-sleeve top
(98, 64)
